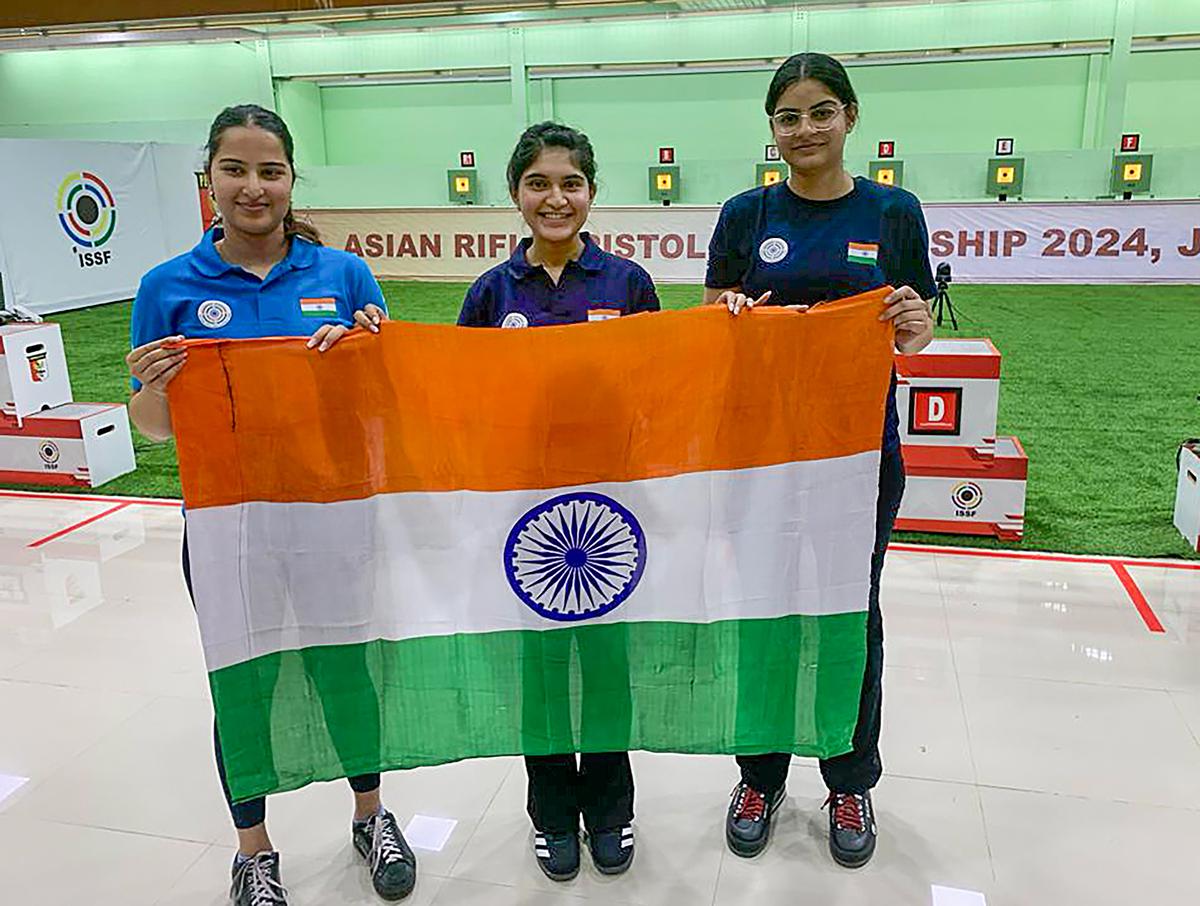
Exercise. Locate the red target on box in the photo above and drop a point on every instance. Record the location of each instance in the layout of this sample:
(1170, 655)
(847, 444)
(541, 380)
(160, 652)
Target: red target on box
(887, 150)
(666, 155)
(1131, 141)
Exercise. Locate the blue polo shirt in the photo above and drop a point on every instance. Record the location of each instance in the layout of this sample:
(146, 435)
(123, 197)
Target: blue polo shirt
(597, 286)
(807, 252)
(201, 295)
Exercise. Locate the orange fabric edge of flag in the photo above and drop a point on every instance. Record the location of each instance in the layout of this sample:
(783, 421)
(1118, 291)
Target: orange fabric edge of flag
(630, 398)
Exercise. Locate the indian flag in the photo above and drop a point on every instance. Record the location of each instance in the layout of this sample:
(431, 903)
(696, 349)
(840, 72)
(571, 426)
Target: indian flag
(318, 308)
(862, 253)
(650, 533)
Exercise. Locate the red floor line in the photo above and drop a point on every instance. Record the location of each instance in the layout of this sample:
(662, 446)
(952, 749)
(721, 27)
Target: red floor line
(1037, 555)
(80, 524)
(92, 498)
(1149, 617)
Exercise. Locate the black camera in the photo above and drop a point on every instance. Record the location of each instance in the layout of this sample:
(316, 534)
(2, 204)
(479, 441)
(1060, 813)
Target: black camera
(943, 275)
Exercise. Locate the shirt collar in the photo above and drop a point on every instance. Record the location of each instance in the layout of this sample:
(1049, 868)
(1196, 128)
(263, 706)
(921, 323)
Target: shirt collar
(591, 260)
(208, 261)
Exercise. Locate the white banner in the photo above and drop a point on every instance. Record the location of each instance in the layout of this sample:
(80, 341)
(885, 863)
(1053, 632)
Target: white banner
(82, 221)
(1098, 242)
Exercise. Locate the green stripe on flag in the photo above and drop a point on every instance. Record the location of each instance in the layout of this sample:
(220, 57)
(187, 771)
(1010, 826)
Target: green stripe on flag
(789, 684)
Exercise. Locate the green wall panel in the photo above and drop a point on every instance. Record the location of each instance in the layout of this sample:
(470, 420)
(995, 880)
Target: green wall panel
(378, 144)
(164, 93)
(441, 48)
(947, 107)
(1161, 100)
(1166, 17)
(934, 25)
(715, 122)
(419, 130)
(731, 37)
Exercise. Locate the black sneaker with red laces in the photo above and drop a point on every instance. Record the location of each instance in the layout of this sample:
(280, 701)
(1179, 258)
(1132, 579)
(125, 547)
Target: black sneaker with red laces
(851, 828)
(748, 821)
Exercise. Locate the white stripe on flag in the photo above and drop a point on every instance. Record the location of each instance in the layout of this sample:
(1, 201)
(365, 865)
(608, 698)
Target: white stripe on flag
(719, 545)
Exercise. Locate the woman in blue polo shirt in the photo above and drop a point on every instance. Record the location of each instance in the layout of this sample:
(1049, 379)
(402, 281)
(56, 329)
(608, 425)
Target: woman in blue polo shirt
(819, 236)
(560, 276)
(261, 273)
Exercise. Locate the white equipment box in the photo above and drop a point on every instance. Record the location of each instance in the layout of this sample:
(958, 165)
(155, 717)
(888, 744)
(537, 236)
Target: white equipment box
(33, 370)
(949, 393)
(83, 444)
(965, 491)
(1187, 494)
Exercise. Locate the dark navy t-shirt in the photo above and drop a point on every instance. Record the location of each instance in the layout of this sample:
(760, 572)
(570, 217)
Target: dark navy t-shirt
(816, 251)
(597, 286)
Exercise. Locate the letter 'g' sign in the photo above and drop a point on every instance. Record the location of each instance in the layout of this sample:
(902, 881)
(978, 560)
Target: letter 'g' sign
(935, 410)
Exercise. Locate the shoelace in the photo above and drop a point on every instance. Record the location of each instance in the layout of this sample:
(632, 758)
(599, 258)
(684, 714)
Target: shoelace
(264, 889)
(749, 805)
(385, 847)
(847, 811)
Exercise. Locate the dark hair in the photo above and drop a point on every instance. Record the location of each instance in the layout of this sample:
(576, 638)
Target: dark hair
(551, 135)
(825, 69)
(261, 118)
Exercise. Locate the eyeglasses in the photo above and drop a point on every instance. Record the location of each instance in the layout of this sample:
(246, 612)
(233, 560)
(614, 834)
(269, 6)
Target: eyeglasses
(821, 118)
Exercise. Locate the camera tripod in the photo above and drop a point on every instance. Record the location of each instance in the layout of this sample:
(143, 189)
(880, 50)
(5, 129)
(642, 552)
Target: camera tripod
(942, 305)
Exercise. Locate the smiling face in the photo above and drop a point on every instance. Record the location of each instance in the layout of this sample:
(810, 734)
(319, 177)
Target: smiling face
(554, 196)
(807, 149)
(251, 180)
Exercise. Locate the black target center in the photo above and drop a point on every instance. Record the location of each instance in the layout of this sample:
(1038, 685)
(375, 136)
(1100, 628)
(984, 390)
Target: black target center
(87, 210)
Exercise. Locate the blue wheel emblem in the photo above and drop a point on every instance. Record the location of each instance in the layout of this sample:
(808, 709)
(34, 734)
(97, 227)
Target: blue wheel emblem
(575, 557)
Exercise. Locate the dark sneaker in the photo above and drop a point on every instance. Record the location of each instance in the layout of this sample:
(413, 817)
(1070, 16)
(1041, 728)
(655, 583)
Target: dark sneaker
(256, 882)
(851, 829)
(557, 855)
(612, 849)
(393, 865)
(748, 822)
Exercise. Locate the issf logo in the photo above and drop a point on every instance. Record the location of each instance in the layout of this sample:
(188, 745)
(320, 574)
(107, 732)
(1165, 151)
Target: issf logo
(87, 213)
(966, 497)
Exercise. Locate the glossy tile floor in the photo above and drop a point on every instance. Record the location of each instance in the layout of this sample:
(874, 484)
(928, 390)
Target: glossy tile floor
(1042, 746)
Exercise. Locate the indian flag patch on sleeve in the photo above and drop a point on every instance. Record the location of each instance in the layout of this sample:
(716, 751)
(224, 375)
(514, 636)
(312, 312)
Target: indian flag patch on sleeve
(862, 253)
(319, 308)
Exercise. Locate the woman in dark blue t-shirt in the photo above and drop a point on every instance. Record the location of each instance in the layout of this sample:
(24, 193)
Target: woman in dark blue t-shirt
(560, 276)
(819, 236)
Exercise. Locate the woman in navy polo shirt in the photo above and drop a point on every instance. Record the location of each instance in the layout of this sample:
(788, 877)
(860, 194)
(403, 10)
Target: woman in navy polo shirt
(819, 236)
(560, 276)
(261, 273)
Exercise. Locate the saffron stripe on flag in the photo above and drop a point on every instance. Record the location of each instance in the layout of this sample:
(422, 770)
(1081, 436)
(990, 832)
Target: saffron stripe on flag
(567, 423)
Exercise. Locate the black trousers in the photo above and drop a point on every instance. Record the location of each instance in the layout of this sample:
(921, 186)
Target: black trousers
(600, 789)
(253, 812)
(858, 770)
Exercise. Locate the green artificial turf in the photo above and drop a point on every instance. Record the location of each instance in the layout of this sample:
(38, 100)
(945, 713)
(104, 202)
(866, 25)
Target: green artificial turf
(1098, 382)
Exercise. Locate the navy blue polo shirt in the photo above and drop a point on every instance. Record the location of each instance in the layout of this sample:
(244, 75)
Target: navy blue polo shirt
(597, 286)
(807, 252)
(201, 295)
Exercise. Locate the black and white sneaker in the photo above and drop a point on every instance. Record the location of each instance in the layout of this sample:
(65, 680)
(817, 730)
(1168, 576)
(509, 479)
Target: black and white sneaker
(748, 821)
(612, 849)
(256, 882)
(393, 865)
(557, 855)
(852, 829)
